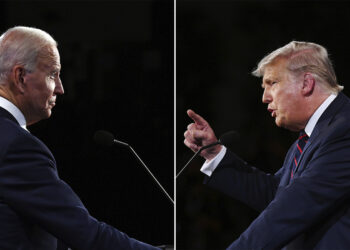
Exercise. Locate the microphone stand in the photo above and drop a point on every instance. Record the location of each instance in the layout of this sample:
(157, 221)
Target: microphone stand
(144, 165)
(198, 152)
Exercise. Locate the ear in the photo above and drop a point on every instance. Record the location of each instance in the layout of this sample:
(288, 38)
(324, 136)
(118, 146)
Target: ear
(308, 84)
(17, 77)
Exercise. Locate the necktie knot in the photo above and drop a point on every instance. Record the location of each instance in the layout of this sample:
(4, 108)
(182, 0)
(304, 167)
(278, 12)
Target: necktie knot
(303, 136)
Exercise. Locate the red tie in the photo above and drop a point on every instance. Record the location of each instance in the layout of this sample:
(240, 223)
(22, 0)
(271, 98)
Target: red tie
(302, 140)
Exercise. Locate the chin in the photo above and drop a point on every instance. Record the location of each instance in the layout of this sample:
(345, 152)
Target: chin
(282, 124)
(46, 114)
(278, 123)
(287, 126)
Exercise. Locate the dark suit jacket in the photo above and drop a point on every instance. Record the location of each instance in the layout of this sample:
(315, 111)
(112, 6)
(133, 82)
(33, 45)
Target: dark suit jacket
(37, 207)
(311, 211)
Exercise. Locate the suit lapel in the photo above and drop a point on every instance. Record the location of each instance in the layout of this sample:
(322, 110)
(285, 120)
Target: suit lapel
(285, 179)
(4, 114)
(328, 115)
(323, 123)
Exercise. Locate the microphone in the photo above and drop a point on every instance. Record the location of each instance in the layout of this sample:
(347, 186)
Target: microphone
(106, 138)
(226, 139)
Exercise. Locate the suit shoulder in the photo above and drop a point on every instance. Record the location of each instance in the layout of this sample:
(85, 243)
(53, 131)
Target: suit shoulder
(10, 131)
(339, 127)
(12, 134)
(342, 118)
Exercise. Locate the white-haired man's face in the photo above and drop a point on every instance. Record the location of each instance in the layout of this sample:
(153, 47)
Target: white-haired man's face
(42, 87)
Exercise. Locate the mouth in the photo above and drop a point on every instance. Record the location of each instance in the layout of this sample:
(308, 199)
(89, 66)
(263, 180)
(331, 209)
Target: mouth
(273, 112)
(52, 103)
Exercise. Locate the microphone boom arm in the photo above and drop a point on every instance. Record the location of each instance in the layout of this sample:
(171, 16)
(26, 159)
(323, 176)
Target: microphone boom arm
(149, 171)
(198, 152)
(226, 139)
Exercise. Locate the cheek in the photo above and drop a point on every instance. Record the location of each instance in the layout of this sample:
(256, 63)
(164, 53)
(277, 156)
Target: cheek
(285, 98)
(49, 87)
(288, 105)
(45, 93)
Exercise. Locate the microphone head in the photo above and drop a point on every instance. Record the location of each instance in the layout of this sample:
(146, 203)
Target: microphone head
(104, 138)
(229, 138)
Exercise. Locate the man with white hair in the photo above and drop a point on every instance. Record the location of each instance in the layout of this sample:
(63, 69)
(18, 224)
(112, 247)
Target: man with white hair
(304, 205)
(37, 208)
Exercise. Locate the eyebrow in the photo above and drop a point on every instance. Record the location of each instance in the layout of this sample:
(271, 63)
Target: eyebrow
(56, 67)
(265, 80)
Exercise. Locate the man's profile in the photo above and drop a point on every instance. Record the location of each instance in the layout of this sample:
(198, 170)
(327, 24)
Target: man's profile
(304, 205)
(38, 210)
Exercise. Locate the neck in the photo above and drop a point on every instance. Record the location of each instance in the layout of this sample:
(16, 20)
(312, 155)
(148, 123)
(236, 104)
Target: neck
(315, 102)
(11, 96)
(5, 93)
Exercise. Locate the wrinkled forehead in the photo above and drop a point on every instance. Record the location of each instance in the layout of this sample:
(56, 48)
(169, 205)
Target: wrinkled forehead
(51, 52)
(49, 57)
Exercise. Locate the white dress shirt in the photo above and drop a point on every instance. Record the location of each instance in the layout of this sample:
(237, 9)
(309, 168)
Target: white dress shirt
(13, 110)
(209, 166)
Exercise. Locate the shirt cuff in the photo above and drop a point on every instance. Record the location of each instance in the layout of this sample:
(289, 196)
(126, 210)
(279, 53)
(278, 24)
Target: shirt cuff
(209, 166)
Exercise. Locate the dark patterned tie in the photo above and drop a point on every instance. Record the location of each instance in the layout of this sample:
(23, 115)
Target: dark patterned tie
(302, 140)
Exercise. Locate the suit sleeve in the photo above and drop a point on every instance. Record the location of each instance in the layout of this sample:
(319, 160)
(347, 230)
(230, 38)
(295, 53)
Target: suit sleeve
(241, 181)
(30, 185)
(321, 188)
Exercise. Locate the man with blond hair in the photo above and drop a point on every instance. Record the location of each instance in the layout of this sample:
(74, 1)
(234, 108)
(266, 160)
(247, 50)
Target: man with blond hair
(37, 209)
(304, 205)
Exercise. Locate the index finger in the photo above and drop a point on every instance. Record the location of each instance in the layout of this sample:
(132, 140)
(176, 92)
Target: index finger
(196, 118)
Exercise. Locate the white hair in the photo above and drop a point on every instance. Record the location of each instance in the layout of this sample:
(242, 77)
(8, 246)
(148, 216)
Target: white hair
(304, 57)
(22, 46)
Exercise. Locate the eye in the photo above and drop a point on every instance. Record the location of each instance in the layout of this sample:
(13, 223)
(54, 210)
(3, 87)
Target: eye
(273, 83)
(53, 75)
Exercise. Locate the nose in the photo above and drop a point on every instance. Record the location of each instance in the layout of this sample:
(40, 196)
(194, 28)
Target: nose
(266, 97)
(59, 87)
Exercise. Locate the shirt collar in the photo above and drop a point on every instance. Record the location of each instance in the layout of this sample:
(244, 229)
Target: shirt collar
(13, 110)
(319, 111)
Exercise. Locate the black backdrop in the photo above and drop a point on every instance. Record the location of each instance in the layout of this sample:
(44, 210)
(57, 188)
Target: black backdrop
(117, 71)
(218, 44)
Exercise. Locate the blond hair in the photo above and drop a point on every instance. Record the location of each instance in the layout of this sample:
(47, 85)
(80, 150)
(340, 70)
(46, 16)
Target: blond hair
(304, 57)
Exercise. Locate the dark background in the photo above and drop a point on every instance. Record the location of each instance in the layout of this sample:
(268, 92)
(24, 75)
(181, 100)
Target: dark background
(117, 71)
(218, 44)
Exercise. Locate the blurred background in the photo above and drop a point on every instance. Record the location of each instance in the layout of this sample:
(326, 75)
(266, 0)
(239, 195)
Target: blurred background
(117, 71)
(218, 44)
